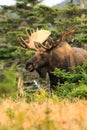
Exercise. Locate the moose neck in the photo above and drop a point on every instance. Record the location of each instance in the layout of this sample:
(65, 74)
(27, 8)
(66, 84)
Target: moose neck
(58, 57)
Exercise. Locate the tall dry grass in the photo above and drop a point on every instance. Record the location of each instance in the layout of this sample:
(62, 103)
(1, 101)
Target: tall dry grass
(63, 115)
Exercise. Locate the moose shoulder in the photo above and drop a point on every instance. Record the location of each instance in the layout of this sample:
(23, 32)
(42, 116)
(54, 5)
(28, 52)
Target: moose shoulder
(52, 55)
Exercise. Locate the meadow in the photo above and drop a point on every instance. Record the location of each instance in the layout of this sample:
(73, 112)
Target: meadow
(48, 114)
(63, 109)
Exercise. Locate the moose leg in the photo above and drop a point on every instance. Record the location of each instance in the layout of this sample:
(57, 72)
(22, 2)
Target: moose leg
(53, 81)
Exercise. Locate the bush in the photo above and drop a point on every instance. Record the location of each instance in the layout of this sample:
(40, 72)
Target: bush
(8, 83)
(75, 84)
(80, 92)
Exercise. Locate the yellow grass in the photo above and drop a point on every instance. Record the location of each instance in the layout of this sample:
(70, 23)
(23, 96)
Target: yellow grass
(48, 115)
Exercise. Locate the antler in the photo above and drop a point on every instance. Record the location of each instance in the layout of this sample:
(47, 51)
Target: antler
(52, 45)
(36, 38)
(63, 37)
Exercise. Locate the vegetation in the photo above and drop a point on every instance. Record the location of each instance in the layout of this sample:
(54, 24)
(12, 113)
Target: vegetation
(26, 106)
(50, 115)
(75, 84)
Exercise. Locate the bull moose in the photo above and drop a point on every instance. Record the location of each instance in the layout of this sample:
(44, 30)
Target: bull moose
(50, 55)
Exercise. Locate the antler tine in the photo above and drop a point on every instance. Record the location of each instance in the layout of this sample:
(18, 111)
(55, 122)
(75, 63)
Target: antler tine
(33, 30)
(44, 47)
(60, 40)
(27, 35)
(51, 41)
(53, 45)
(37, 29)
(63, 37)
(24, 44)
(21, 43)
(67, 34)
(47, 46)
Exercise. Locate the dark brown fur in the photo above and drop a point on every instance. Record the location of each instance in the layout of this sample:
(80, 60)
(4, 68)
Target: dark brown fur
(63, 57)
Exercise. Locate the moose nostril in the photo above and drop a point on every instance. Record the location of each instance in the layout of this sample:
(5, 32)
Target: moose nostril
(26, 66)
(29, 67)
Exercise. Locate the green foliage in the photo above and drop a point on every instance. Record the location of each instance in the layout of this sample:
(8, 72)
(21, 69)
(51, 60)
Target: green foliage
(6, 52)
(39, 97)
(82, 38)
(75, 84)
(25, 2)
(2, 127)
(47, 124)
(22, 54)
(10, 113)
(8, 83)
(12, 38)
(80, 92)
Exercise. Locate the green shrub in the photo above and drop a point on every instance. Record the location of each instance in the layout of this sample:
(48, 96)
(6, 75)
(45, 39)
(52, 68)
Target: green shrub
(8, 83)
(80, 92)
(10, 113)
(39, 96)
(75, 84)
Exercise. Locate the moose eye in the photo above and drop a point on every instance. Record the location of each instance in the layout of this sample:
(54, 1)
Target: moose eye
(42, 56)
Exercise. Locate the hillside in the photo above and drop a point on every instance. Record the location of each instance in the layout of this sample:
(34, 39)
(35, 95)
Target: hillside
(62, 4)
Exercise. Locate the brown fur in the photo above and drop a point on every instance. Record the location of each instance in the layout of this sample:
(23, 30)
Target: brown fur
(63, 56)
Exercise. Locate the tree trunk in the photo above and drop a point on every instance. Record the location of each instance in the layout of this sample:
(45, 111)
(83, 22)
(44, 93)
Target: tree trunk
(81, 4)
(71, 1)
